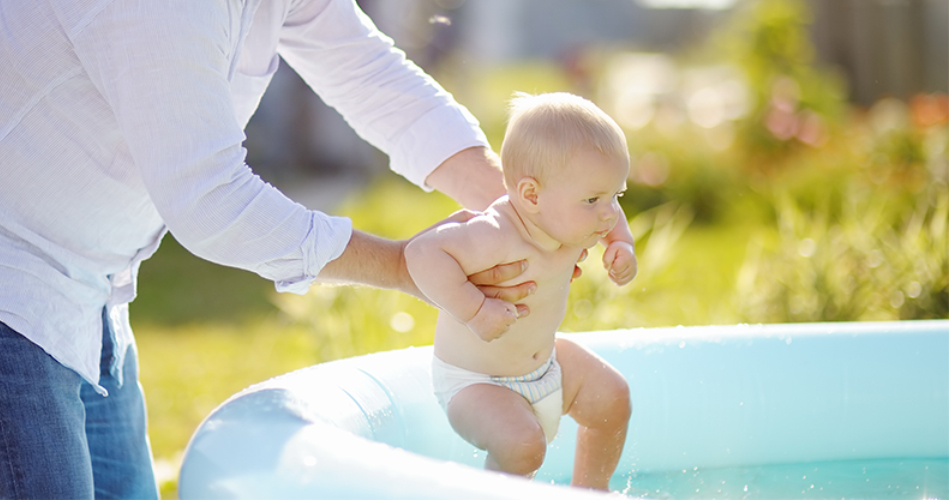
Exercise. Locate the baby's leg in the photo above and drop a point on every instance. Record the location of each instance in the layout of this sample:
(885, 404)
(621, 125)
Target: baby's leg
(597, 397)
(499, 420)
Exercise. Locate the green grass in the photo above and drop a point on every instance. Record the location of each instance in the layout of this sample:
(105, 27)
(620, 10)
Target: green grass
(176, 287)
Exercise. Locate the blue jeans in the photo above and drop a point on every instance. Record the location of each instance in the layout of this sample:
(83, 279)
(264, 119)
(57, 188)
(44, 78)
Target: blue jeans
(59, 438)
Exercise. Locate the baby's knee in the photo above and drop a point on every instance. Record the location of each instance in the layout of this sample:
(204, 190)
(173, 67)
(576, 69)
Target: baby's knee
(524, 454)
(615, 393)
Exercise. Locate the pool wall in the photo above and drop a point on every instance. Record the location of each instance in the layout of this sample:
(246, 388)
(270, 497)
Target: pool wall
(369, 427)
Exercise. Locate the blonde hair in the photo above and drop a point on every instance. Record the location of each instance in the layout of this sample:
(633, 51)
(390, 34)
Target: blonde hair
(545, 130)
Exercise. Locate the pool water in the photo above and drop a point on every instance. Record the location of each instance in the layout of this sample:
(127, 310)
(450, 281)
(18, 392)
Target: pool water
(859, 479)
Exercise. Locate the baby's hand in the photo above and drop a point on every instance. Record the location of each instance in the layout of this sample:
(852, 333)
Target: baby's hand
(493, 319)
(620, 260)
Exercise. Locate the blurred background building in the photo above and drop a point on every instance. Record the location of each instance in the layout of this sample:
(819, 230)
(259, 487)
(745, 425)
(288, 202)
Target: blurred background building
(881, 48)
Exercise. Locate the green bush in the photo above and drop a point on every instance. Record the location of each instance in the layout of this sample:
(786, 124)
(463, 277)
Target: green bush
(857, 265)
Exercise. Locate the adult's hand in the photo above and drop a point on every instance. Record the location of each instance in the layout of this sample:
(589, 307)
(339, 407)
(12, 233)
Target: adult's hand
(487, 281)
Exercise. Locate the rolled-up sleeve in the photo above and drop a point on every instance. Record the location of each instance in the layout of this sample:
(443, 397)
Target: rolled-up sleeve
(388, 100)
(163, 69)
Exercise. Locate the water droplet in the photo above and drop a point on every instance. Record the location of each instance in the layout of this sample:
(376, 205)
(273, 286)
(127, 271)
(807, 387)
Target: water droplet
(746, 488)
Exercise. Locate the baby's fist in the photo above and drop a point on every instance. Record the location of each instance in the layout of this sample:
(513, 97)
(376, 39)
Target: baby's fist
(619, 259)
(493, 319)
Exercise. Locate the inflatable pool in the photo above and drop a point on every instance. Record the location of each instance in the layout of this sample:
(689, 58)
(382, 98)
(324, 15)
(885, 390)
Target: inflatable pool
(809, 399)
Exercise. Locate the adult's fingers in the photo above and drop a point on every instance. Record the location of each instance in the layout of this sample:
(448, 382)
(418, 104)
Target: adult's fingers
(512, 294)
(499, 273)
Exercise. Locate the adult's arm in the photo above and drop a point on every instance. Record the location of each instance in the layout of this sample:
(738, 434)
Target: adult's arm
(371, 260)
(163, 69)
(472, 177)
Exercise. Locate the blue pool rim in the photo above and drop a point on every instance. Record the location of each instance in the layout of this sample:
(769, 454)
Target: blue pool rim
(713, 396)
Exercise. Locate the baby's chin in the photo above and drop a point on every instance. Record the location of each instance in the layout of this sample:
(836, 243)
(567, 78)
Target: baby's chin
(590, 242)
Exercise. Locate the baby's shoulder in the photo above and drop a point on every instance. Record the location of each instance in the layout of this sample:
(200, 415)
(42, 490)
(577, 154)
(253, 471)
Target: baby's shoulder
(486, 233)
(496, 220)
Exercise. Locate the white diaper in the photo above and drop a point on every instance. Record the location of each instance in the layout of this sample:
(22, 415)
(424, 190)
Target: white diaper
(542, 388)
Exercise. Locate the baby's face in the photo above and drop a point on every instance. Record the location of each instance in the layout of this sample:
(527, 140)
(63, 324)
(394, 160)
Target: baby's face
(580, 205)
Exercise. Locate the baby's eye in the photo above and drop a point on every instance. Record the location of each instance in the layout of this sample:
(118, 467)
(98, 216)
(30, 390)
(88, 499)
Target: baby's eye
(593, 200)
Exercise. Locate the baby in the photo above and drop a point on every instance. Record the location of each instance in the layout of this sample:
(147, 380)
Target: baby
(503, 380)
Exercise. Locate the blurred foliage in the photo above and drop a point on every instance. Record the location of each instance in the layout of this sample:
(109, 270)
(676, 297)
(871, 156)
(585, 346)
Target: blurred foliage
(487, 91)
(795, 104)
(856, 265)
(860, 220)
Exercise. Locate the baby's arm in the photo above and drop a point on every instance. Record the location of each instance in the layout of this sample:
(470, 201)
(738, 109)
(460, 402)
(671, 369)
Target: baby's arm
(619, 258)
(439, 262)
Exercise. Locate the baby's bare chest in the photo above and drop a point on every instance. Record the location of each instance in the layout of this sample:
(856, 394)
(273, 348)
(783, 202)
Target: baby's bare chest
(551, 271)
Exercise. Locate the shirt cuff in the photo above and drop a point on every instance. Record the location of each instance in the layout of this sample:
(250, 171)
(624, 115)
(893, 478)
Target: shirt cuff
(326, 241)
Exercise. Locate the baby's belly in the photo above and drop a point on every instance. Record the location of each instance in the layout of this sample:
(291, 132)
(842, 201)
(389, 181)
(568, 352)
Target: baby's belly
(520, 350)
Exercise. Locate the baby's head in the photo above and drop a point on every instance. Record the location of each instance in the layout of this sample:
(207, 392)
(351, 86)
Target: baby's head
(565, 165)
(544, 131)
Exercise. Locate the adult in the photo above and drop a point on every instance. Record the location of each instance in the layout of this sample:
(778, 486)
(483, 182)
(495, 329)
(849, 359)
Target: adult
(121, 120)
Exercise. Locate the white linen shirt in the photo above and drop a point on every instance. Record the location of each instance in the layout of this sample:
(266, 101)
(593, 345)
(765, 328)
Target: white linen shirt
(123, 119)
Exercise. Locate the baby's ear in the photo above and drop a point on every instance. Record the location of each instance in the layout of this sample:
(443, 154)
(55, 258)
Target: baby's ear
(527, 191)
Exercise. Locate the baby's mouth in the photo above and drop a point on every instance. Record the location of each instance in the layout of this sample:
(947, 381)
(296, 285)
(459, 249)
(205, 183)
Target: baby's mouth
(603, 232)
